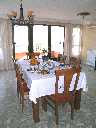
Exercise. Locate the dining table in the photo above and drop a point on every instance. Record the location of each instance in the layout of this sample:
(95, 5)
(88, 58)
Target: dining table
(40, 84)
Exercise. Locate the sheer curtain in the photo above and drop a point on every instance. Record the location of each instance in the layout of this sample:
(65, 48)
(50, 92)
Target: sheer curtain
(5, 45)
(68, 40)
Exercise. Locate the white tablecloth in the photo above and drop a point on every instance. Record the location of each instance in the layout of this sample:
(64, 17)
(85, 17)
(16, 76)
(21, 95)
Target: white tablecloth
(39, 85)
(42, 85)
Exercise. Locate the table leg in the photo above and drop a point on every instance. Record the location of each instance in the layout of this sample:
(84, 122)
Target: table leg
(35, 108)
(44, 104)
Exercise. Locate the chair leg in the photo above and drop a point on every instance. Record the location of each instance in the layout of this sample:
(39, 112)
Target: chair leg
(44, 104)
(22, 103)
(77, 100)
(18, 91)
(20, 99)
(56, 113)
(72, 110)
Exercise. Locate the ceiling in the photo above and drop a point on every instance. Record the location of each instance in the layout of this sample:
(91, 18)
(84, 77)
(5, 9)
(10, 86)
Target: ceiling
(53, 10)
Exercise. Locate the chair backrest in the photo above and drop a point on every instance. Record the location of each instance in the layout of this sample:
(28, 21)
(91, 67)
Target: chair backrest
(34, 61)
(75, 62)
(17, 69)
(81, 84)
(77, 70)
(62, 59)
(32, 55)
(37, 54)
(67, 76)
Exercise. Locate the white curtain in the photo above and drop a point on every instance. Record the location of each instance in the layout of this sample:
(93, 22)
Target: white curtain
(6, 62)
(68, 40)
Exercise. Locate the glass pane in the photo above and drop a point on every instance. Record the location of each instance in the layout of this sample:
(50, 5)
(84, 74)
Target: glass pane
(57, 39)
(40, 37)
(21, 40)
(1, 54)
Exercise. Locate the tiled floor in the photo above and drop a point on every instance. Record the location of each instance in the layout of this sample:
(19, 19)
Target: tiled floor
(12, 117)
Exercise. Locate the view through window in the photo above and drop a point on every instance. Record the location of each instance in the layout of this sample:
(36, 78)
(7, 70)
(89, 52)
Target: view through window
(21, 40)
(57, 39)
(40, 38)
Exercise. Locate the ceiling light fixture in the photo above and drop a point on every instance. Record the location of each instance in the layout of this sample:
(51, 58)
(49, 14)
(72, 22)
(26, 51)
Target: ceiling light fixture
(83, 15)
(21, 20)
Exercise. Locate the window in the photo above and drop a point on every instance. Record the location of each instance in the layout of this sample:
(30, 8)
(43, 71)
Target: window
(57, 39)
(76, 47)
(40, 38)
(21, 40)
(1, 52)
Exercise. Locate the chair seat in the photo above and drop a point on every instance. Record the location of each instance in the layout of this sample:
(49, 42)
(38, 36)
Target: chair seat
(59, 98)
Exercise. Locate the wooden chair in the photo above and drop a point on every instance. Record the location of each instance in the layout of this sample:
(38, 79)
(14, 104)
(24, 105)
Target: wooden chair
(37, 54)
(28, 55)
(24, 91)
(22, 88)
(18, 77)
(75, 62)
(66, 96)
(32, 55)
(62, 59)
